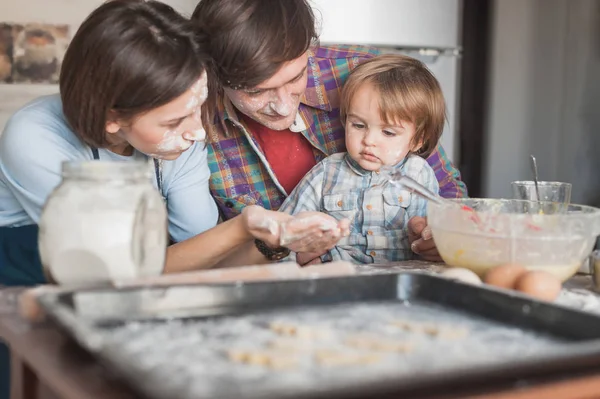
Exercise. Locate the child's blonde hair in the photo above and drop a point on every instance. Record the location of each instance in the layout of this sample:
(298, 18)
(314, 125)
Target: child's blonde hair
(408, 91)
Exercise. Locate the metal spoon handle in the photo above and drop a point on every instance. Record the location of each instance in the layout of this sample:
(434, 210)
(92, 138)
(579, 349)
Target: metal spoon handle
(417, 188)
(535, 177)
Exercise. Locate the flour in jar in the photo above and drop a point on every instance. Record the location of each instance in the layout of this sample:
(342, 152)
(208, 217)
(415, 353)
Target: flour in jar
(92, 237)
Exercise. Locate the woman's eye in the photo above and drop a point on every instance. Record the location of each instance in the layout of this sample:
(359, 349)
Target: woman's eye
(388, 133)
(358, 125)
(177, 123)
(254, 92)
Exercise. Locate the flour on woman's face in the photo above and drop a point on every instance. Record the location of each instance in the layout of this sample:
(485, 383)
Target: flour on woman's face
(199, 93)
(167, 131)
(181, 138)
(274, 103)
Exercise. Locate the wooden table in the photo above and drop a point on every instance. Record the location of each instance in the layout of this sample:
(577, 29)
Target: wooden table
(46, 364)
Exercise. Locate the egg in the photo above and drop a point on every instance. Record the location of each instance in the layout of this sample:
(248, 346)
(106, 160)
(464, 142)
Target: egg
(539, 284)
(462, 275)
(504, 276)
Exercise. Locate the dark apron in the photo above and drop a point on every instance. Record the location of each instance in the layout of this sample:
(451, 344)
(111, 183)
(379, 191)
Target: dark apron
(20, 265)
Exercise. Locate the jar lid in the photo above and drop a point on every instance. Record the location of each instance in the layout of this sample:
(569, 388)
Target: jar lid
(107, 170)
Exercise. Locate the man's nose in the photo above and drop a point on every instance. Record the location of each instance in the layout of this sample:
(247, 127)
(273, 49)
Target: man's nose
(281, 95)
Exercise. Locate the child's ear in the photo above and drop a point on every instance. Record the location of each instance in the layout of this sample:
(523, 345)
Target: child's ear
(416, 146)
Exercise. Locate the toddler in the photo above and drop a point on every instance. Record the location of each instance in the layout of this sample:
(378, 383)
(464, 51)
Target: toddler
(393, 110)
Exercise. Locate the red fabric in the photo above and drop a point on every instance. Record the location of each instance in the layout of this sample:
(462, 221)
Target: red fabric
(289, 154)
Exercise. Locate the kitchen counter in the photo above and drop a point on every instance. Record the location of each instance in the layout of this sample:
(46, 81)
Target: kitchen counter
(47, 364)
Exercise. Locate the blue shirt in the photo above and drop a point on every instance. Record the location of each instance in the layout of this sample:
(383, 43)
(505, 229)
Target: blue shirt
(378, 211)
(37, 139)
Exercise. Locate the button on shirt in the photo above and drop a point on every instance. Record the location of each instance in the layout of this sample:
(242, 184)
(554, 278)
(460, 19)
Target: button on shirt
(378, 211)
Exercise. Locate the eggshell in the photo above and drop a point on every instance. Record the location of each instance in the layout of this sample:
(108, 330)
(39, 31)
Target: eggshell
(539, 284)
(504, 276)
(462, 275)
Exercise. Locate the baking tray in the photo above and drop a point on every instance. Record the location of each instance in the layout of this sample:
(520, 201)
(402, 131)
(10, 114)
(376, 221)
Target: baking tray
(173, 342)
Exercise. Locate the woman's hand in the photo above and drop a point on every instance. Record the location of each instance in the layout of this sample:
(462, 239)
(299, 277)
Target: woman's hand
(263, 224)
(313, 232)
(305, 232)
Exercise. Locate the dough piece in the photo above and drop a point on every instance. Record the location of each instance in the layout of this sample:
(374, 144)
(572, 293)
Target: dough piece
(304, 332)
(448, 332)
(328, 357)
(410, 326)
(430, 329)
(291, 345)
(378, 344)
(445, 332)
(270, 359)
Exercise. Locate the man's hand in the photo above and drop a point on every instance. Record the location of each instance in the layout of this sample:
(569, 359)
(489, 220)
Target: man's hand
(421, 239)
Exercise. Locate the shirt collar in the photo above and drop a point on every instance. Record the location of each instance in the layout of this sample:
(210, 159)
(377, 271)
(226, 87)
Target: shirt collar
(315, 95)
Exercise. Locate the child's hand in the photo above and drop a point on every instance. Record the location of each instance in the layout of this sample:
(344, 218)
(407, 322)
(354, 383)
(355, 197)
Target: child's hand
(421, 241)
(309, 258)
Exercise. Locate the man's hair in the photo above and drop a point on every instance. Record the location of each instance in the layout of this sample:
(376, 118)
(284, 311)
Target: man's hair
(407, 91)
(249, 41)
(127, 58)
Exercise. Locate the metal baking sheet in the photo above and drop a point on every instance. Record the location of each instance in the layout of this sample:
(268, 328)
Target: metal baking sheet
(176, 342)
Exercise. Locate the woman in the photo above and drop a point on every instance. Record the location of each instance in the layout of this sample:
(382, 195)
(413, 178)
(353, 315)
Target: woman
(132, 85)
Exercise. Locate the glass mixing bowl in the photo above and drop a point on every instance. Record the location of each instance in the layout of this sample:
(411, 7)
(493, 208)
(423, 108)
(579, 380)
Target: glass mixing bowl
(537, 235)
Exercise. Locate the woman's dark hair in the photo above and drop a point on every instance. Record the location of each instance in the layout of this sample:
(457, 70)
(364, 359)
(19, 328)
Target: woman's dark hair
(127, 58)
(249, 40)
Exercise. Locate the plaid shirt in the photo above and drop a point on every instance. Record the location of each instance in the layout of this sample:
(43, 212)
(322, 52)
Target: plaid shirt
(240, 173)
(378, 212)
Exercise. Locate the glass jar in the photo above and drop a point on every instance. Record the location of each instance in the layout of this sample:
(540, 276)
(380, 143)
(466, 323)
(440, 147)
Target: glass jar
(105, 222)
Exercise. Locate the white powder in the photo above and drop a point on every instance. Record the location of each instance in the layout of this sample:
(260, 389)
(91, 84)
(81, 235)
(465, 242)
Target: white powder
(173, 141)
(192, 360)
(196, 135)
(279, 108)
(298, 228)
(199, 92)
(93, 235)
(579, 298)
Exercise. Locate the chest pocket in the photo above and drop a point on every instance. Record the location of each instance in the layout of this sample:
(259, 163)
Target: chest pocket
(232, 206)
(341, 206)
(394, 208)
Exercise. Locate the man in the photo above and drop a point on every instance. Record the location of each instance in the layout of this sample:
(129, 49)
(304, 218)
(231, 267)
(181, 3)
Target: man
(273, 107)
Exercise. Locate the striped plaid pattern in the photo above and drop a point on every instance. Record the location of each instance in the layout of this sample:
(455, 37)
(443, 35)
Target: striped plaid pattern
(240, 174)
(378, 212)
